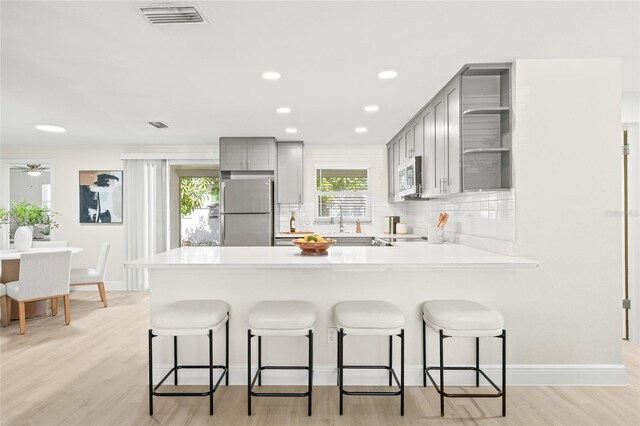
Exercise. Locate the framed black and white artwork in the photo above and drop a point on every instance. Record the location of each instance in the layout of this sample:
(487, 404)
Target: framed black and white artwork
(101, 196)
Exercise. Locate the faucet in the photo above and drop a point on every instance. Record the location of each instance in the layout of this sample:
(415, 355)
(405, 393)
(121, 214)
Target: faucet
(341, 220)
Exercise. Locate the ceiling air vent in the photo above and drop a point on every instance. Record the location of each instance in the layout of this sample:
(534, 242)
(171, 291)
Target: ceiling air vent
(158, 124)
(172, 14)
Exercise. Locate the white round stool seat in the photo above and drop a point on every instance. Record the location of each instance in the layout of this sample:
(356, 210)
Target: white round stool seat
(190, 317)
(369, 317)
(282, 318)
(462, 318)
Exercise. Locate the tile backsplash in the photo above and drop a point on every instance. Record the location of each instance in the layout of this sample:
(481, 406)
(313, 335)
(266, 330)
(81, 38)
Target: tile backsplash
(481, 219)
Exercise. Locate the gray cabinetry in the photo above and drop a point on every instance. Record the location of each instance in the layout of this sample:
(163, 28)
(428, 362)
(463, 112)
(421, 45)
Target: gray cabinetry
(463, 135)
(233, 154)
(290, 172)
(247, 154)
(452, 102)
(429, 171)
(390, 175)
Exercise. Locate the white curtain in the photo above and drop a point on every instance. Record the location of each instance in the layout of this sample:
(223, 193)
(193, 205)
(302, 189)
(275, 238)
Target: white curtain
(145, 214)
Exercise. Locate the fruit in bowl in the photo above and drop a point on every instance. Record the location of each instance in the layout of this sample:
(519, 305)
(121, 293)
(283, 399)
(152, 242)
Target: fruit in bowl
(314, 245)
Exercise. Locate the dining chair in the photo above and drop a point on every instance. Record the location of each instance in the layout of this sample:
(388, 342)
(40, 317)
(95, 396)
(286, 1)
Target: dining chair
(42, 276)
(88, 276)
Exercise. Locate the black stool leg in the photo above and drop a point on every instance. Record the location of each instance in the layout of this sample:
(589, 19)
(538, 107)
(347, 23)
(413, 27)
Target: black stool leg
(441, 374)
(338, 362)
(477, 361)
(424, 354)
(402, 372)
(150, 373)
(504, 373)
(340, 366)
(259, 360)
(175, 360)
(310, 370)
(211, 372)
(390, 359)
(249, 372)
(226, 352)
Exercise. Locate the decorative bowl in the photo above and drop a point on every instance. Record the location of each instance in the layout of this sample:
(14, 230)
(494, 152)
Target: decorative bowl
(314, 249)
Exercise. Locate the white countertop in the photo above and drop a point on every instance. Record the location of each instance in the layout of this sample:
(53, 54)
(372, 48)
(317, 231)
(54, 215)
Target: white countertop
(403, 256)
(353, 235)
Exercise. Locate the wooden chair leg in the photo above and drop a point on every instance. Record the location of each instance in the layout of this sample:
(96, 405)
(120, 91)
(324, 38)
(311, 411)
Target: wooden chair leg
(103, 293)
(54, 306)
(4, 300)
(23, 318)
(67, 310)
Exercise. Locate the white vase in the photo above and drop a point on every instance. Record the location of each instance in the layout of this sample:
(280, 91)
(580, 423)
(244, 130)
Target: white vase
(23, 238)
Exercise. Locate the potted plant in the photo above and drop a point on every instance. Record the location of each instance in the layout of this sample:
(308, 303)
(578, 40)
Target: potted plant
(27, 216)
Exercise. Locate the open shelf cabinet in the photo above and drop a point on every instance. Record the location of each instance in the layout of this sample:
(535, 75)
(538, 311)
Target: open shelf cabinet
(486, 128)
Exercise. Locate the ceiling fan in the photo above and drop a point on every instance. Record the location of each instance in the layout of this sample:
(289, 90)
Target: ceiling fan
(32, 169)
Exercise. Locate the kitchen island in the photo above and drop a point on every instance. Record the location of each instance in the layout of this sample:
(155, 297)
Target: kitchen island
(406, 274)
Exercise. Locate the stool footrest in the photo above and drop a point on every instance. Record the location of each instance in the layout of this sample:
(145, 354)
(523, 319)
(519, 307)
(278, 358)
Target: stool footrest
(372, 367)
(278, 394)
(179, 367)
(464, 395)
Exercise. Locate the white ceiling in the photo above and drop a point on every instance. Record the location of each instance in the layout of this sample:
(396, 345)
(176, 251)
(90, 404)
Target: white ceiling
(100, 70)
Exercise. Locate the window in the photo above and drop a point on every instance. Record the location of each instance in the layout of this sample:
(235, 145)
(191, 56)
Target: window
(343, 188)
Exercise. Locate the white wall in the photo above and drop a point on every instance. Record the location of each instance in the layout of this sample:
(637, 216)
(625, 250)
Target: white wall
(567, 180)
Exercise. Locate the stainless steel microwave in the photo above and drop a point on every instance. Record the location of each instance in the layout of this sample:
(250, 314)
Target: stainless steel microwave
(410, 178)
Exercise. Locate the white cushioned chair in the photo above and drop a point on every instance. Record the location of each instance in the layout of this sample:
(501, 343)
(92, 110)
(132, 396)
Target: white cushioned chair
(91, 276)
(42, 276)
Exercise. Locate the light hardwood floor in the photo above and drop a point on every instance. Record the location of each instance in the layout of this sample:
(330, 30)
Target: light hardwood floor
(94, 372)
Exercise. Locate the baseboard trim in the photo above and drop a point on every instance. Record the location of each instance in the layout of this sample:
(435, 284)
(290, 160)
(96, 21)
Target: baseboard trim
(108, 286)
(519, 375)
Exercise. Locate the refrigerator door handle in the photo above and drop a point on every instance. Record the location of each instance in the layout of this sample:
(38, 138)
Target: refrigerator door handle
(222, 233)
(222, 197)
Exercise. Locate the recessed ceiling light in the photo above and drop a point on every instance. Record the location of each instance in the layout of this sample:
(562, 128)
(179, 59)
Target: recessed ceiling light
(283, 110)
(360, 129)
(386, 75)
(50, 128)
(291, 130)
(271, 75)
(371, 108)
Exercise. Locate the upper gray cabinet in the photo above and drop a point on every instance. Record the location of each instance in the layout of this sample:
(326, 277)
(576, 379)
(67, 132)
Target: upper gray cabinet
(290, 172)
(452, 102)
(463, 135)
(247, 154)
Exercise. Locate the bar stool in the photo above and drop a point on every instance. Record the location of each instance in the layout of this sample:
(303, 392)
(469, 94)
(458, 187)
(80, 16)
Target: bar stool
(370, 318)
(463, 318)
(188, 318)
(280, 318)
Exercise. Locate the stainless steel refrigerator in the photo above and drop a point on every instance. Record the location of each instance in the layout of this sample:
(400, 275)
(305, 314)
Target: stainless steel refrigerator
(246, 212)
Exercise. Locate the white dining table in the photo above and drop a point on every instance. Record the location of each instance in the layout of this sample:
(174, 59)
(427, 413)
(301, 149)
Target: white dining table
(10, 261)
(13, 254)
